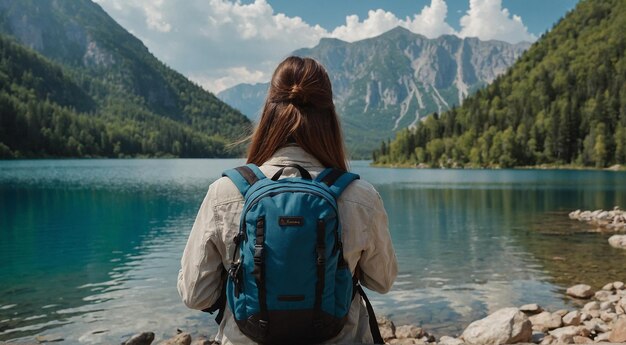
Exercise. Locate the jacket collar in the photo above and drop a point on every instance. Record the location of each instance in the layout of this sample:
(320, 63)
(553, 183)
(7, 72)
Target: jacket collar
(293, 154)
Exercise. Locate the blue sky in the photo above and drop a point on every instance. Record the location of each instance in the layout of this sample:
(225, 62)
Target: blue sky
(538, 15)
(220, 43)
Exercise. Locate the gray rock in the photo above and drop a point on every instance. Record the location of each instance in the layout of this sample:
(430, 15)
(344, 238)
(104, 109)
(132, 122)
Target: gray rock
(567, 334)
(591, 306)
(596, 325)
(572, 318)
(144, 338)
(531, 309)
(546, 320)
(409, 331)
(618, 334)
(618, 241)
(583, 291)
(387, 328)
(607, 316)
(505, 326)
(561, 312)
(607, 306)
(446, 340)
(603, 295)
(179, 339)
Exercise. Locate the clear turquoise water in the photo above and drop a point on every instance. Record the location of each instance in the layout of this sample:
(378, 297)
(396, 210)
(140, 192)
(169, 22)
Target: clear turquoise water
(90, 249)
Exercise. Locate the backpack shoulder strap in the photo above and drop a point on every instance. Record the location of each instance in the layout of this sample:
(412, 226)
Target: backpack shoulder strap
(244, 177)
(336, 180)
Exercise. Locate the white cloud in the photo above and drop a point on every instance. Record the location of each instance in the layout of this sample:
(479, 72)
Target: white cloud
(223, 79)
(430, 22)
(486, 19)
(219, 43)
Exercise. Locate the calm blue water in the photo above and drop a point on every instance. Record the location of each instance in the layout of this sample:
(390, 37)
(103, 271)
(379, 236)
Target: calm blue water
(90, 249)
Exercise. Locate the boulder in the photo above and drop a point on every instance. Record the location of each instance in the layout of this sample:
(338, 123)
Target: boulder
(603, 295)
(561, 312)
(618, 334)
(179, 339)
(618, 241)
(583, 291)
(144, 338)
(566, 334)
(572, 318)
(596, 325)
(409, 331)
(607, 306)
(387, 328)
(546, 321)
(531, 309)
(446, 340)
(618, 285)
(608, 316)
(591, 306)
(505, 326)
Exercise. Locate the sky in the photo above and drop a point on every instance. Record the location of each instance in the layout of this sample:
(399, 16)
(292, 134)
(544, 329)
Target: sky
(221, 43)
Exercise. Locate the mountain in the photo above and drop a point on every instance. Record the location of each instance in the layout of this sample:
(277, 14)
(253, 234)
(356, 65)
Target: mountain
(124, 84)
(562, 103)
(390, 82)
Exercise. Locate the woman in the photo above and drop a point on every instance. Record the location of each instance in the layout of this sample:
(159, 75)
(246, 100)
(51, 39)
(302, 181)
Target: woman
(298, 125)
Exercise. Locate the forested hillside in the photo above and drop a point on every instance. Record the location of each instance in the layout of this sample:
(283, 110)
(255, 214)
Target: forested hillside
(97, 90)
(562, 103)
(45, 113)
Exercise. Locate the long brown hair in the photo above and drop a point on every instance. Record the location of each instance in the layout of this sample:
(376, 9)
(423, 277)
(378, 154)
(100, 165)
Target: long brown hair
(299, 109)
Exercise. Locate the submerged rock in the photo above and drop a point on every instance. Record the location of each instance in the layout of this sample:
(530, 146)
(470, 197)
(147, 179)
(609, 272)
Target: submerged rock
(144, 338)
(505, 326)
(618, 241)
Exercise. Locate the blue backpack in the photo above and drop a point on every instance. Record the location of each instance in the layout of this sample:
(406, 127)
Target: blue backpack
(291, 284)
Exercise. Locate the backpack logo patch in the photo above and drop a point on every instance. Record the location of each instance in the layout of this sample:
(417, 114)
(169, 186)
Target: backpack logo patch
(291, 221)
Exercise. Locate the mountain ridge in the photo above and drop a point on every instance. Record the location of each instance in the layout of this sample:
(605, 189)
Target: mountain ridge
(389, 82)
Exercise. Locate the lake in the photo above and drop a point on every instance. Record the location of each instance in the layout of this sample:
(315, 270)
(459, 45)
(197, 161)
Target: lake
(90, 249)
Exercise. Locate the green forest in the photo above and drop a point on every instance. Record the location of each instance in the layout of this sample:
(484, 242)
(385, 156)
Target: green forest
(562, 103)
(54, 102)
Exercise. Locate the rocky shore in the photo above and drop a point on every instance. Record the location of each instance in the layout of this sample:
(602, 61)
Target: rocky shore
(601, 320)
(613, 221)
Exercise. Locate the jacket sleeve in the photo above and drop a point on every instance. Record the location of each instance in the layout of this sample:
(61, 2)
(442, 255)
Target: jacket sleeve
(378, 264)
(199, 279)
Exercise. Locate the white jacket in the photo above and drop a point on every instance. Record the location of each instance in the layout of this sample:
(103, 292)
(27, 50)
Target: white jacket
(366, 244)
